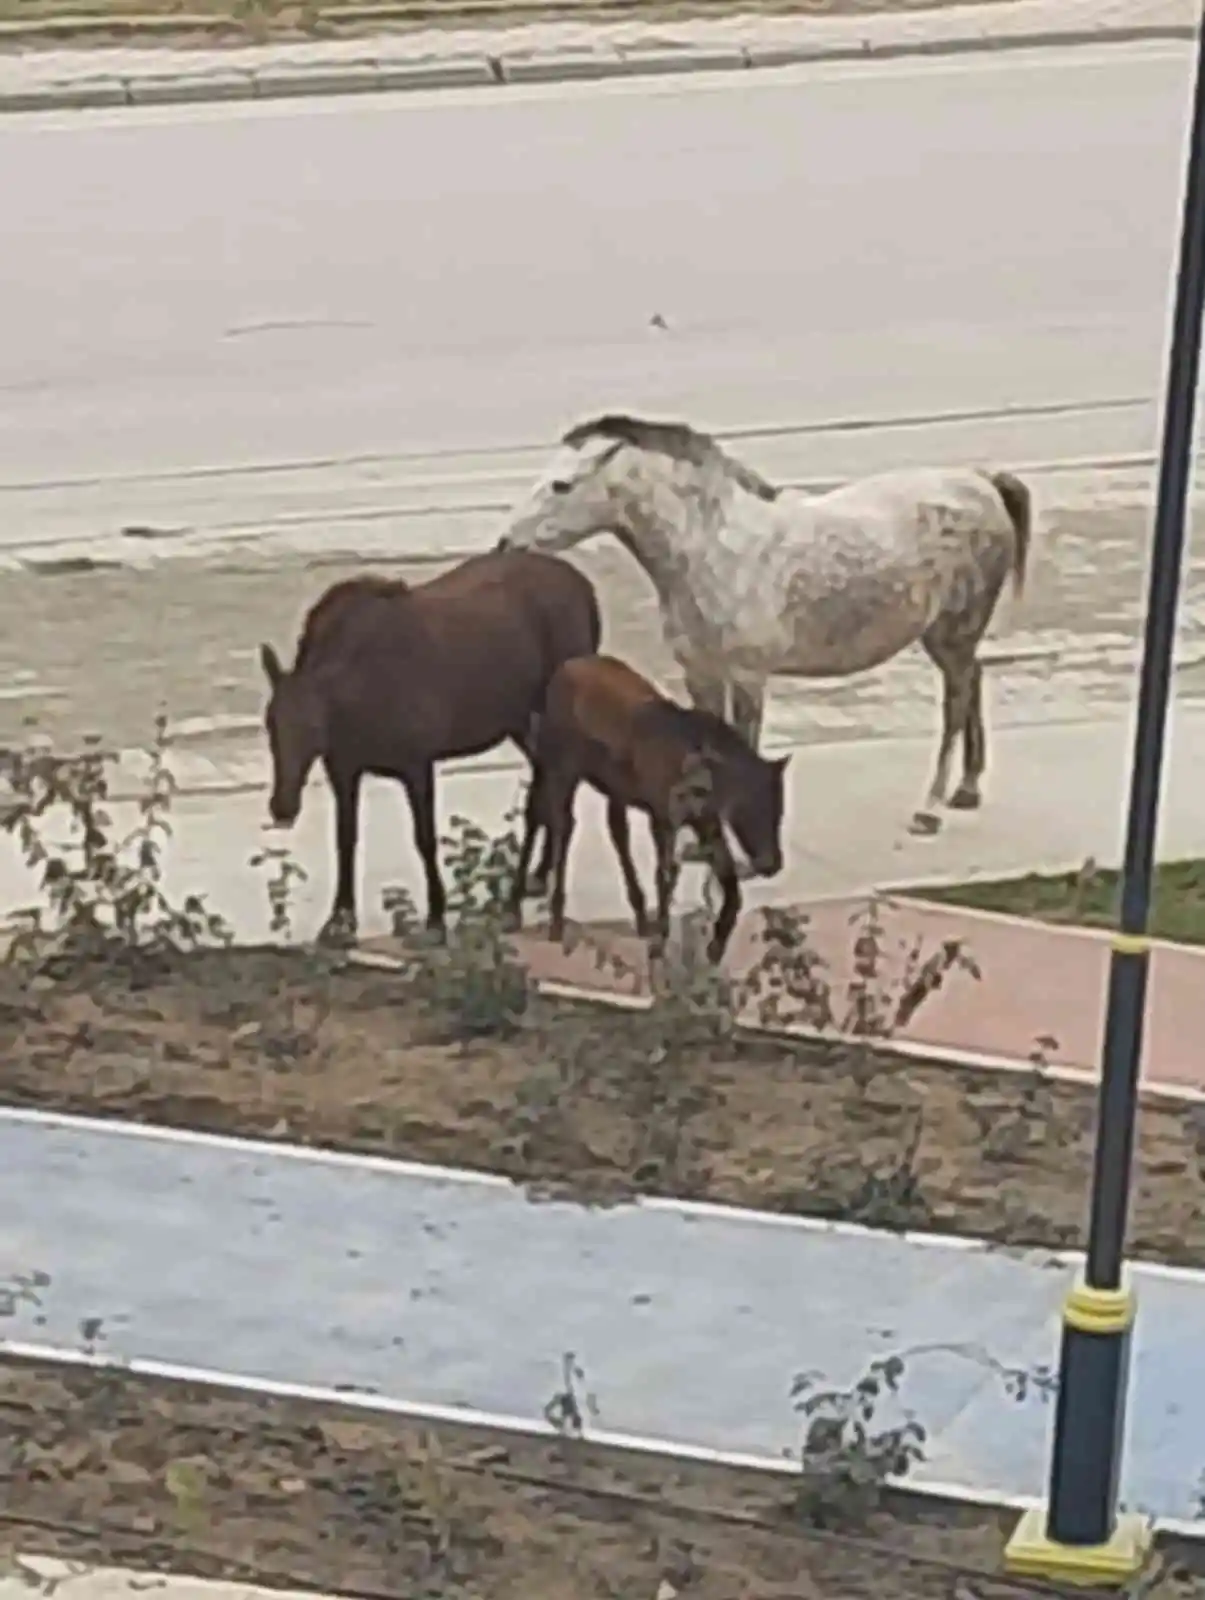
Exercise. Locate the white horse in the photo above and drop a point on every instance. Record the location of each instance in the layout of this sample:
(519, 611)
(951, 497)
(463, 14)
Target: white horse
(755, 582)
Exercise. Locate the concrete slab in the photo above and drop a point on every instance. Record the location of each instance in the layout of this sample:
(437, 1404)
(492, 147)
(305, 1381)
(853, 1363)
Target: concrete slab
(1165, 1445)
(445, 1292)
(274, 83)
(847, 809)
(180, 88)
(70, 1580)
(77, 94)
(714, 58)
(560, 68)
(462, 74)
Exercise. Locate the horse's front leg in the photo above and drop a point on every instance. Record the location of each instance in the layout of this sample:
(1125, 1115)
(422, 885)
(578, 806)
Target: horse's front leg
(664, 834)
(748, 711)
(340, 927)
(706, 689)
(420, 791)
(715, 847)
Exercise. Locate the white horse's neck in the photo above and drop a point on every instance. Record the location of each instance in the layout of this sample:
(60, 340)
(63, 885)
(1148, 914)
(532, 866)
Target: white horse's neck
(696, 532)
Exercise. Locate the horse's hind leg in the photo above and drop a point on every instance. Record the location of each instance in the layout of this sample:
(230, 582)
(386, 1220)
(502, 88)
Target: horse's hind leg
(420, 791)
(536, 883)
(528, 741)
(967, 796)
(957, 666)
(532, 823)
(617, 827)
(557, 797)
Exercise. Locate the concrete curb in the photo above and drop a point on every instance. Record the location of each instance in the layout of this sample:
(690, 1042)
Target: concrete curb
(370, 76)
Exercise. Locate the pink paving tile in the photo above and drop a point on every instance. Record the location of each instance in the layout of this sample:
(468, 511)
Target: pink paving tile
(1037, 980)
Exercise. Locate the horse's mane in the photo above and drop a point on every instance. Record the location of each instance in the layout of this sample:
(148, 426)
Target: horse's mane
(333, 607)
(675, 439)
(700, 731)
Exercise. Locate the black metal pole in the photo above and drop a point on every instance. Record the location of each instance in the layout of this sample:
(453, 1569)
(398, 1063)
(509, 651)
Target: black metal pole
(1082, 1533)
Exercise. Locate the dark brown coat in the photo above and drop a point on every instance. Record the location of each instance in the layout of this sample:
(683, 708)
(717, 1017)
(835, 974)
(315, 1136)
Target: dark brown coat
(390, 679)
(606, 725)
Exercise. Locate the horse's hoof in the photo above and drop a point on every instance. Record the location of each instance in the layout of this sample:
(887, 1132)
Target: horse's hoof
(338, 932)
(924, 824)
(964, 799)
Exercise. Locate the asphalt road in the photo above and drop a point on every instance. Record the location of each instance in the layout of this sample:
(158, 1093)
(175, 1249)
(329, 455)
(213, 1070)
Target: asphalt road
(453, 271)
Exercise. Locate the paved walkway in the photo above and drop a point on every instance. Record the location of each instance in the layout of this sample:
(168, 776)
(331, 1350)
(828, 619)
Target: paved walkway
(1041, 986)
(428, 1290)
(548, 51)
(70, 1580)
(845, 831)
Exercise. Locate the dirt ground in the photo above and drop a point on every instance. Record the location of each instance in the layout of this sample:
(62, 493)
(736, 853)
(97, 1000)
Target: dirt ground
(100, 651)
(590, 1101)
(110, 1468)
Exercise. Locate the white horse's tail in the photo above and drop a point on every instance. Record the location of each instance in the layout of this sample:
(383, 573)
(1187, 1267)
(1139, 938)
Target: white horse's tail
(1019, 504)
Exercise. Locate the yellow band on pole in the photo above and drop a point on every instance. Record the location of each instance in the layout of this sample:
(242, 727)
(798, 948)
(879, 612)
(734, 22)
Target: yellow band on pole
(1131, 944)
(1091, 1310)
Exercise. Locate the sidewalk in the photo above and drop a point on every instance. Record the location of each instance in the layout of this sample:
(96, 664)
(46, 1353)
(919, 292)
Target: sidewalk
(69, 1580)
(546, 52)
(845, 835)
(1039, 982)
(1042, 987)
(448, 1294)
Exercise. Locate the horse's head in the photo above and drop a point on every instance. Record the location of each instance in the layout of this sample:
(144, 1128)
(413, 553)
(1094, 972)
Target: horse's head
(296, 723)
(753, 810)
(573, 499)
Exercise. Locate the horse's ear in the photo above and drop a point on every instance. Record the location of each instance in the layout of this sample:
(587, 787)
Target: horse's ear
(270, 662)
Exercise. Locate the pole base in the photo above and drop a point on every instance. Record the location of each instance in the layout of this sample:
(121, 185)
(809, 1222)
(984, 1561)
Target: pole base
(1031, 1553)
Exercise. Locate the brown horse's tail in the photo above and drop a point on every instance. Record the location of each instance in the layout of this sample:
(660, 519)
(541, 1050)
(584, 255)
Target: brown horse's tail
(1019, 504)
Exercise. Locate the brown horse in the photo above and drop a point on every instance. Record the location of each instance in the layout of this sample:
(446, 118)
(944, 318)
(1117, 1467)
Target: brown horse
(604, 724)
(389, 679)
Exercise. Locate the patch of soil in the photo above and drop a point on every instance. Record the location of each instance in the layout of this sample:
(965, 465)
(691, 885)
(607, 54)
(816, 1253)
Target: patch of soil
(105, 1467)
(592, 1101)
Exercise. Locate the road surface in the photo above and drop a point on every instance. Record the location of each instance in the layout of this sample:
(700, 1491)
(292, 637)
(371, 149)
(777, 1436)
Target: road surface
(319, 280)
(248, 330)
